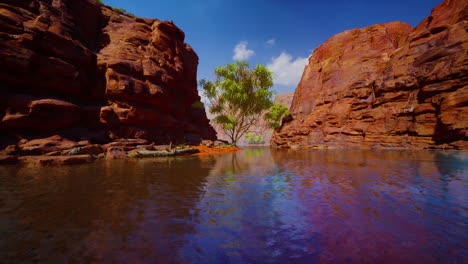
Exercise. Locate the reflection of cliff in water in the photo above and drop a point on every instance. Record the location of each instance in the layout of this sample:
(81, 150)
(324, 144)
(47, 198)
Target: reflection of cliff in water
(113, 211)
(357, 195)
(452, 163)
(287, 206)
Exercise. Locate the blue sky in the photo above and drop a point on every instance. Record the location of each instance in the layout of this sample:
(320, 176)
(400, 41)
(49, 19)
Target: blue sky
(279, 33)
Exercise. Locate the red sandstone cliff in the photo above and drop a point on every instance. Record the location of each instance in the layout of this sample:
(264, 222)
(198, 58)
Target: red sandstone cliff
(80, 69)
(387, 85)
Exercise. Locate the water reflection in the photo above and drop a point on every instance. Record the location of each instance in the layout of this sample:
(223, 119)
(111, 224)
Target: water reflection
(111, 212)
(250, 217)
(254, 206)
(381, 206)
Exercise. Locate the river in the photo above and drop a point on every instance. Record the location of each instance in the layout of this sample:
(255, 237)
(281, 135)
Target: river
(254, 206)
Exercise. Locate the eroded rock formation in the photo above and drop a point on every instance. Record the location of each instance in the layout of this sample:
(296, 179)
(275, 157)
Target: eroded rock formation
(79, 69)
(386, 86)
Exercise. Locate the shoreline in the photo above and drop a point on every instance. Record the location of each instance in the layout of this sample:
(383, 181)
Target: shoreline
(59, 151)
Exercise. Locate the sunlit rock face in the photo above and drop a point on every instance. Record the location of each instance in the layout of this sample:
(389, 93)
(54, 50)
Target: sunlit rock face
(81, 69)
(386, 86)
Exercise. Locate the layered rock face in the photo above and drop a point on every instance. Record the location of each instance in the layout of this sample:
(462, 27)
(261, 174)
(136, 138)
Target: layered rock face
(82, 70)
(386, 86)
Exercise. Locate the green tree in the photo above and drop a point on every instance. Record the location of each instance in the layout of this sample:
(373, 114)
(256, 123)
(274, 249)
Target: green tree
(253, 138)
(275, 116)
(238, 96)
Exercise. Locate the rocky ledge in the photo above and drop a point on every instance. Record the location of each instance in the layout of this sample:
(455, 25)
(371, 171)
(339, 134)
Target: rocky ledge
(56, 150)
(85, 72)
(386, 86)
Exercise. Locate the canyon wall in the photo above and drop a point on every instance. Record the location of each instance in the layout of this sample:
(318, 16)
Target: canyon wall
(386, 86)
(82, 70)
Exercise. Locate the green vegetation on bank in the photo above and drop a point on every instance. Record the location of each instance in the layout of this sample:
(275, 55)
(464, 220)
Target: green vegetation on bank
(239, 96)
(123, 11)
(253, 138)
(120, 10)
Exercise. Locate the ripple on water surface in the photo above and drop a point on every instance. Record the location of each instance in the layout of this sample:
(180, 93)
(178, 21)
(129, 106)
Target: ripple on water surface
(254, 206)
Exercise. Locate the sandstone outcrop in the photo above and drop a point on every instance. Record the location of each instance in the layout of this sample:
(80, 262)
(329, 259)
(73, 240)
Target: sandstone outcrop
(59, 151)
(79, 69)
(46, 145)
(386, 86)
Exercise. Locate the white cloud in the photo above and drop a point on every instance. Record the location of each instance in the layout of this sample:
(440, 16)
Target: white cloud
(271, 42)
(286, 70)
(241, 52)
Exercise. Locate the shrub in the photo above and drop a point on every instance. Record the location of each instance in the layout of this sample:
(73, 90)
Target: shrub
(121, 10)
(277, 113)
(253, 138)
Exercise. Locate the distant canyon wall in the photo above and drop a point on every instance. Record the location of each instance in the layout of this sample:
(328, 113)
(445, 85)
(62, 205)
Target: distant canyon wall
(386, 86)
(80, 69)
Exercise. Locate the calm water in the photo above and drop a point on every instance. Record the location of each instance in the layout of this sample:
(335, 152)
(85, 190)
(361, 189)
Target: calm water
(256, 206)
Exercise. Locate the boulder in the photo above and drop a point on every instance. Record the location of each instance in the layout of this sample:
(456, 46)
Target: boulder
(116, 153)
(46, 145)
(218, 143)
(163, 147)
(94, 149)
(12, 150)
(208, 143)
(127, 144)
(163, 153)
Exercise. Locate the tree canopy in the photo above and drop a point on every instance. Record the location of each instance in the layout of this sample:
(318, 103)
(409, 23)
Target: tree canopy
(238, 96)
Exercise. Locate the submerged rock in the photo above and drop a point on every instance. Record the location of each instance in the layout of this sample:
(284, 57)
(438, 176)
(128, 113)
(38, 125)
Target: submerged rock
(116, 153)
